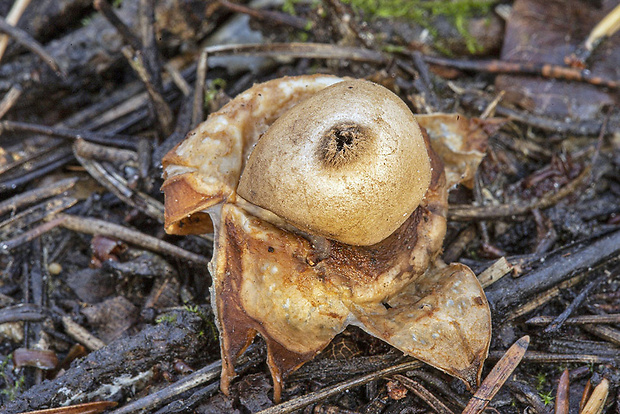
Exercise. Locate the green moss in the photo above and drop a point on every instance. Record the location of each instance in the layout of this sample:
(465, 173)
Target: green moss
(388, 48)
(421, 11)
(546, 397)
(171, 318)
(192, 308)
(541, 380)
(12, 388)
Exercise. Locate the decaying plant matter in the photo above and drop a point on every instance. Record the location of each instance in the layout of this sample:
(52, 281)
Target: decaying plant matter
(329, 206)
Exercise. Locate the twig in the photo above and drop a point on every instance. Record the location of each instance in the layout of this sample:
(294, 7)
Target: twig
(47, 165)
(34, 214)
(543, 297)
(425, 83)
(85, 408)
(490, 109)
(603, 30)
(434, 379)
(497, 377)
(94, 226)
(269, 16)
(24, 39)
(193, 380)
(524, 68)
(203, 375)
(32, 156)
(6, 246)
(577, 320)
(9, 99)
(495, 272)
(424, 394)
(199, 90)
(163, 113)
(559, 127)
(557, 322)
(21, 312)
(18, 8)
(152, 59)
(38, 194)
(303, 401)
(606, 332)
(557, 268)
(104, 7)
(550, 358)
(300, 50)
(459, 244)
(90, 150)
(119, 187)
(81, 335)
(528, 395)
(123, 141)
(457, 212)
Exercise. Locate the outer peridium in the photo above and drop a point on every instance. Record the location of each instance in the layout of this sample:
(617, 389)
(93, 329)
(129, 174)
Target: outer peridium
(425, 319)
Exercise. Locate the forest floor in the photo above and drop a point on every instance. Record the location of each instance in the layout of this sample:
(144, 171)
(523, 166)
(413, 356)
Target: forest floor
(100, 309)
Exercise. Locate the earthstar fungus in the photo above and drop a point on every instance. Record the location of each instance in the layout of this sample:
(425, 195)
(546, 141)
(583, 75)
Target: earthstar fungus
(329, 209)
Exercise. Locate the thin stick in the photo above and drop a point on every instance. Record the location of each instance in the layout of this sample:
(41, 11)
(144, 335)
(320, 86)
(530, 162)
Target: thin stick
(100, 152)
(118, 186)
(495, 272)
(131, 39)
(577, 320)
(556, 269)
(9, 99)
(497, 377)
(7, 246)
(300, 50)
(586, 127)
(164, 115)
(524, 68)
(462, 213)
(424, 394)
(269, 16)
(123, 141)
(313, 397)
(22, 312)
(81, 335)
(549, 358)
(94, 226)
(34, 214)
(606, 332)
(24, 39)
(603, 30)
(12, 18)
(203, 375)
(199, 91)
(103, 7)
(559, 321)
(38, 194)
(544, 297)
(44, 167)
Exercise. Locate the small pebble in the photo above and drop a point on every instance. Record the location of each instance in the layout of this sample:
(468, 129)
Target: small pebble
(54, 268)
